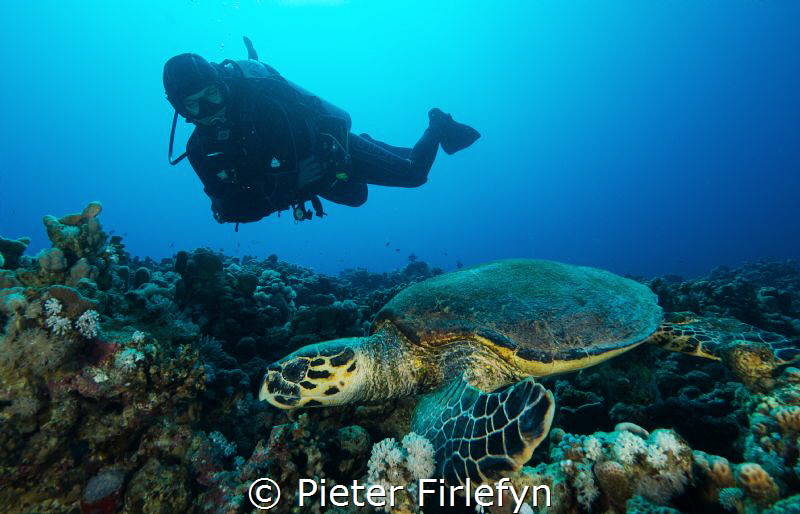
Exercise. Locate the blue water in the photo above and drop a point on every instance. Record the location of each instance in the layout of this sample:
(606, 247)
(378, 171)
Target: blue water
(645, 137)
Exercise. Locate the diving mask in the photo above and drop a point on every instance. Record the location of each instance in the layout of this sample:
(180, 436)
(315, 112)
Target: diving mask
(204, 105)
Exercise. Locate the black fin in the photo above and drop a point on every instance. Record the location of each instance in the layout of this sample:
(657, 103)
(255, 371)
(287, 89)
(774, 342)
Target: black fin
(251, 50)
(455, 136)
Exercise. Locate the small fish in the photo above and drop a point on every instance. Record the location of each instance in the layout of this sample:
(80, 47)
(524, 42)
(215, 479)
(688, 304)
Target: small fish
(397, 249)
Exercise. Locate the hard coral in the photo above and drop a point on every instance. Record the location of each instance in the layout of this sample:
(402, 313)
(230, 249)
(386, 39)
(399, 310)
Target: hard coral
(77, 235)
(757, 484)
(12, 250)
(614, 481)
(788, 418)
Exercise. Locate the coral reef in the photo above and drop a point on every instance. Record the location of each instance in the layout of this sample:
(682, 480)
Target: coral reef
(125, 381)
(629, 471)
(764, 294)
(127, 385)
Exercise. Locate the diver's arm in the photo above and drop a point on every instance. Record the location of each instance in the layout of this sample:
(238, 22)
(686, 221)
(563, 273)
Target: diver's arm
(230, 201)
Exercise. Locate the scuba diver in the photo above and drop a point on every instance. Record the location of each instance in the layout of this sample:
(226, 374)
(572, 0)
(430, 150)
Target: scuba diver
(262, 144)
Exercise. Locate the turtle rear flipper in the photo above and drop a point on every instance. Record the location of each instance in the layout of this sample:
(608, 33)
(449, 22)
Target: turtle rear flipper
(484, 436)
(751, 353)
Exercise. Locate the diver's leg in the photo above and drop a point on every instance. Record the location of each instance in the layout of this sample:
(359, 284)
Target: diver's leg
(380, 164)
(402, 151)
(377, 165)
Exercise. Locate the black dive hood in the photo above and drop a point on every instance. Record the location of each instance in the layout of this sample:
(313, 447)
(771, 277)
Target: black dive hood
(185, 75)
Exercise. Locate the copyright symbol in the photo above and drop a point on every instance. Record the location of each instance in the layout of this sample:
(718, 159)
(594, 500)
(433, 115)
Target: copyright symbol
(264, 493)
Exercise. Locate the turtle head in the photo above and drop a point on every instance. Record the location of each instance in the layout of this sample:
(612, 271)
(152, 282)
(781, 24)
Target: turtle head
(317, 375)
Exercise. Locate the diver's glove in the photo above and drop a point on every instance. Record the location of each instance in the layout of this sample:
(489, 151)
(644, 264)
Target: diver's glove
(308, 172)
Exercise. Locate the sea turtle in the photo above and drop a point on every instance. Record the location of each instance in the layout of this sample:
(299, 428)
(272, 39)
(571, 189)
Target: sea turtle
(474, 340)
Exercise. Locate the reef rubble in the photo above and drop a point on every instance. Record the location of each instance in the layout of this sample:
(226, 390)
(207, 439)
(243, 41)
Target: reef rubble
(128, 385)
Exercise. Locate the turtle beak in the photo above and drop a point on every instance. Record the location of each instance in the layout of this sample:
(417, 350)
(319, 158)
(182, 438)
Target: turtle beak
(278, 391)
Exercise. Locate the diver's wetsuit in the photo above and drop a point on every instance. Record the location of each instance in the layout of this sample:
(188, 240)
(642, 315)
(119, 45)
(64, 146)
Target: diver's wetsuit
(249, 175)
(380, 164)
(248, 166)
(385, 165)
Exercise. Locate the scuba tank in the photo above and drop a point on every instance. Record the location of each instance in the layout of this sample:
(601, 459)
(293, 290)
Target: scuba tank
(332, 125)
(253, 69)
(256, 68)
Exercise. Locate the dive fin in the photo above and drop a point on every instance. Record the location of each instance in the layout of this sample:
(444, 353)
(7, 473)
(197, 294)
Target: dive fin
(483, 436)
(455, 136)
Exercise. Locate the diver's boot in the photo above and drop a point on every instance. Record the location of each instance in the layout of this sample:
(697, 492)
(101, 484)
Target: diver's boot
(455, 136)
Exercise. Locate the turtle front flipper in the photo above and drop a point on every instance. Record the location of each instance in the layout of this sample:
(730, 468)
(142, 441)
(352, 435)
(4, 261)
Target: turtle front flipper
(749, 352)
(484, 436)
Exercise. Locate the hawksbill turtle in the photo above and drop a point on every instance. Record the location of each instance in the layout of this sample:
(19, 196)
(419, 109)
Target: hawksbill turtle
(474, 340)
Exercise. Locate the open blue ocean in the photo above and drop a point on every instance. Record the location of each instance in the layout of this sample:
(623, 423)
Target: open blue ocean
(643, 137)
(594, 306)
